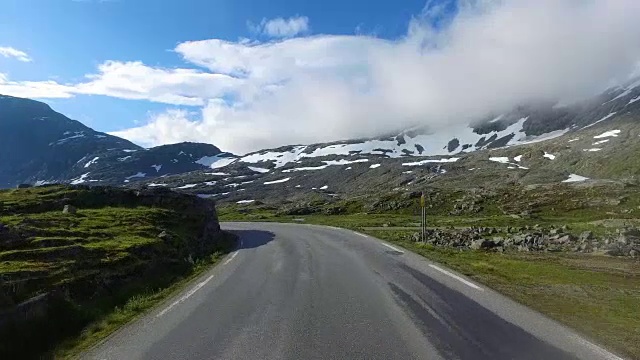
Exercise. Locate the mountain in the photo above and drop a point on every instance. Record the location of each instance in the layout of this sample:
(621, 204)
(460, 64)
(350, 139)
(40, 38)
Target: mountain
(121, 166)
(39, 145)
(536, 144)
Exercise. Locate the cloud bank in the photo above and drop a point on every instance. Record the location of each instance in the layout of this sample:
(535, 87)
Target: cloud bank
(490, 56)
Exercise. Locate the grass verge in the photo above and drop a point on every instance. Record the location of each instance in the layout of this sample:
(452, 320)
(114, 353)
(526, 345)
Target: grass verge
(136, 307)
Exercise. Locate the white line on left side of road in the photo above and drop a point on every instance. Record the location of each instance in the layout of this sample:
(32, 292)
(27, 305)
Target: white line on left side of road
(604, 353)
(393, 248)
(231, 258)
(192, 291)
(448, 273)
(363, 235)
(185, 296)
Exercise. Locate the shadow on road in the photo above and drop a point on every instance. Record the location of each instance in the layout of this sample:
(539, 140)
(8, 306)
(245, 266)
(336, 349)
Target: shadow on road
(464, 329)
(253, 238)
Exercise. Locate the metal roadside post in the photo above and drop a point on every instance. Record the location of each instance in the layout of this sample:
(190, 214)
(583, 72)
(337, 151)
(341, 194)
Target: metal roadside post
(423, 219)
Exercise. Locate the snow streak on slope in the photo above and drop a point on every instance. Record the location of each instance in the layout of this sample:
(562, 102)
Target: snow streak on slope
(403, 145)
(215, 162)
(575, 178)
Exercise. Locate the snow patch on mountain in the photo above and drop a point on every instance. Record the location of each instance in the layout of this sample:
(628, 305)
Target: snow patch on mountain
(345, 162)
(592, 150)
(93, 161)
(78, 134)
(503, 160)
(601, 120)
(80, 180)
(277, 181)
(258, 170)
(549, 156)
(157, 167)
(601, 142)
(124, 158)
(187, 186)
(405, 145)
(215, 162)
(611, 133)
(627, 91)
(374, 166)
(423, 162)
(306, 168)
(244, 201)
(575, 178)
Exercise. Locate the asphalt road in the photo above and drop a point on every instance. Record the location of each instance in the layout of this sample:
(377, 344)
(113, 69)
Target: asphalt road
(310, 292)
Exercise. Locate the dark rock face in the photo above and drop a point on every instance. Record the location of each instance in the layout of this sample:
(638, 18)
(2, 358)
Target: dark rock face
(453, 145)
(39, 144)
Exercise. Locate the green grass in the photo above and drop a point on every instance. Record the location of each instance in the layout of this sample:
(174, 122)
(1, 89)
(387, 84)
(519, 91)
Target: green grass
(101, 267)
(136, 306)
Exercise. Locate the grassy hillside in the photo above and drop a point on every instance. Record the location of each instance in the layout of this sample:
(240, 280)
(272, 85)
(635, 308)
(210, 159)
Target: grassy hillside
(117, 252)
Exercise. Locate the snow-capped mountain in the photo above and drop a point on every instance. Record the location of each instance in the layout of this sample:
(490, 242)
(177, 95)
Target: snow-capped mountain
(38, 145)
(594, 139)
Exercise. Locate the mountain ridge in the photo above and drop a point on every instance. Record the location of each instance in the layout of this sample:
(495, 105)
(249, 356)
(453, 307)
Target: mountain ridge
(66, 151)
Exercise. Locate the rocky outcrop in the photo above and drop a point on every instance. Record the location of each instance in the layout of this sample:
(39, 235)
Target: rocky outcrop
(536, 238)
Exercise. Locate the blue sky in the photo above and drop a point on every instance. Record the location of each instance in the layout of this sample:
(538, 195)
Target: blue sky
(68, 39)
(246, 74)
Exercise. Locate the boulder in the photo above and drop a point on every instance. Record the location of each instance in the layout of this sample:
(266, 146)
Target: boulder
(69, 209)
(587, 235)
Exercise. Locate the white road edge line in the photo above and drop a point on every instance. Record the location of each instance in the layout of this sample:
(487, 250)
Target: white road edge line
(185, 296)
(606, 355)
(231, 258)
(392, 248)
(363, 235)
(468, 283)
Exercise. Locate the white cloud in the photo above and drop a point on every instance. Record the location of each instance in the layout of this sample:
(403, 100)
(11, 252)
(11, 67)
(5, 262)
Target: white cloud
(282, 28)
(163, 129)
(134, 80)
(491, 56)
(34, 89)
(14, 53)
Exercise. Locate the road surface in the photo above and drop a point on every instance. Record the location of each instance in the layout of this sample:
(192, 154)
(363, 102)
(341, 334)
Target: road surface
(295, 291)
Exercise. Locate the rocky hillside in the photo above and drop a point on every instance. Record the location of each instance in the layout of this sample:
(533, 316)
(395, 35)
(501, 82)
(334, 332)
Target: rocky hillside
(119, 167)
(39, 145)
(603, 153)
(69, 255)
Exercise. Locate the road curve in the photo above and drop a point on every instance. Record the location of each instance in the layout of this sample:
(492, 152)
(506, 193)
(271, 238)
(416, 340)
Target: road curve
(312, 292)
